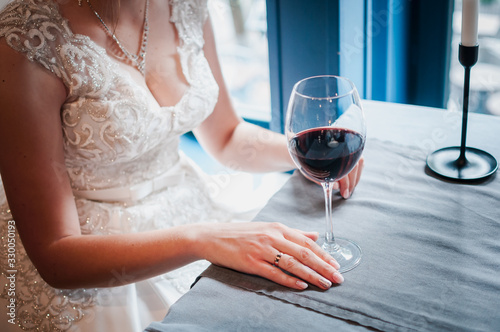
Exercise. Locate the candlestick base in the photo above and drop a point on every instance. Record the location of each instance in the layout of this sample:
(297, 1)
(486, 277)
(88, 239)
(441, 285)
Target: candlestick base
(447, 163)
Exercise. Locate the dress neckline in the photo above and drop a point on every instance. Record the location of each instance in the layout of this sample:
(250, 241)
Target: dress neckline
(127, 74)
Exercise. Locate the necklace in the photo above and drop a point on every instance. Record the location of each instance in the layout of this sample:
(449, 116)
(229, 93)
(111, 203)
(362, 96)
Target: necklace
(138, 60)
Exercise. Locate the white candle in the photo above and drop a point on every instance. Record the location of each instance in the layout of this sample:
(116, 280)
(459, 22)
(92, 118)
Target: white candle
(470, 10)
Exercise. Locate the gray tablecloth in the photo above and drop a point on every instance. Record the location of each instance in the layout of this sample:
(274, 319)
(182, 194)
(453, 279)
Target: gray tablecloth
(431, 254)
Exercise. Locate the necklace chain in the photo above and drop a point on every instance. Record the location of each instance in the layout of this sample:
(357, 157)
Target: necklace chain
(138, 60)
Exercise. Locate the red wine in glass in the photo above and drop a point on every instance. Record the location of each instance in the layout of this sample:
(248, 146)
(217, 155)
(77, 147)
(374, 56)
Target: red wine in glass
(327, 154)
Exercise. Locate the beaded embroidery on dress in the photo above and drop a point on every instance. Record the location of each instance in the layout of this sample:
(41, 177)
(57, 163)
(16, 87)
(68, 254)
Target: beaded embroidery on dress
(115, 135)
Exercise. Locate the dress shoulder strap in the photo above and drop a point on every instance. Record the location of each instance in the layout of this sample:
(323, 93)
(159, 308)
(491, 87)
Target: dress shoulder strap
(189, 17)
(36, 29)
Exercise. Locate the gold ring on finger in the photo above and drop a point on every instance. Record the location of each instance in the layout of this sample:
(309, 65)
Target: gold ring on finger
(277, 259)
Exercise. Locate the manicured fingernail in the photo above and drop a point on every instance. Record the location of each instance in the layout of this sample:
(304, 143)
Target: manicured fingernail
(335, 264)
(338, 277)
(346, 193)
(325, 283)
(301, 284)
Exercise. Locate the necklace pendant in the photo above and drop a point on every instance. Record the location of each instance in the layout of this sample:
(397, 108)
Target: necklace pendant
(142, 68)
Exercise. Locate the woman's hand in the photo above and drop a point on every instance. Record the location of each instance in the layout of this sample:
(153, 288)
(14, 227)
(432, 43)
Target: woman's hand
(347, 184)
(260, 248)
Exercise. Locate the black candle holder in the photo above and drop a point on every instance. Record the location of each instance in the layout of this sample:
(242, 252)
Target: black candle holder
(463, 163)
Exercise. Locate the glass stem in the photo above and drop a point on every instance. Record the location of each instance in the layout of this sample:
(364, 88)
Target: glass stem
(329, 245)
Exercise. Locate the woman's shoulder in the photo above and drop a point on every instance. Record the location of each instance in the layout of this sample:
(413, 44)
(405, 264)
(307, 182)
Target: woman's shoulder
(32, 23)
(189, 7)
(189, 17)
(26, 15)
(34, 28)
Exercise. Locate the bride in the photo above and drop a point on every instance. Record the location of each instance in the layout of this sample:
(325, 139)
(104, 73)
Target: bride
(104, 222)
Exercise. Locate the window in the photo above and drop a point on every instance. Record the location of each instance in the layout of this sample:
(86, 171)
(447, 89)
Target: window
(240, 29)
(382, 45)
(393, 50)
(484, 96)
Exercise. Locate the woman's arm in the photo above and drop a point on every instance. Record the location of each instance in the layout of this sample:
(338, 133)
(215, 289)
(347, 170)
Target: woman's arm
(232, 141)
(40, 196)
(43, 206)
(244, 146)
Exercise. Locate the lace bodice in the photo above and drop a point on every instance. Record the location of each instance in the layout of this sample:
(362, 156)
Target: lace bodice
(114, 130)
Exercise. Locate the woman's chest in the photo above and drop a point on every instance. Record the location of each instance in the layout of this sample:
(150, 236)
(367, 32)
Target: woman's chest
(109, 116)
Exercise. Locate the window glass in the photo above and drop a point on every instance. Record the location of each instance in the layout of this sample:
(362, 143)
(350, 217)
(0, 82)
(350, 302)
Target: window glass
(484, 94)
(240, 29)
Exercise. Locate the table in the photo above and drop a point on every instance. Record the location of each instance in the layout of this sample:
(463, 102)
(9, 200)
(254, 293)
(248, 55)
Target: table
(431, 247)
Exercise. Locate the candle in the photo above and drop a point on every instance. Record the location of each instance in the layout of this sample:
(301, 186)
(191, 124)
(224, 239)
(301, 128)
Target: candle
(470, 9)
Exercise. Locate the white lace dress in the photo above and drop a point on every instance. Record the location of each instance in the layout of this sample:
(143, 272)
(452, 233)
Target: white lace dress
(121, 144)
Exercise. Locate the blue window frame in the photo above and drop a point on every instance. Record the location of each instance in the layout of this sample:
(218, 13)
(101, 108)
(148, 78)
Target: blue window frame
(393, 50)
(303, 41)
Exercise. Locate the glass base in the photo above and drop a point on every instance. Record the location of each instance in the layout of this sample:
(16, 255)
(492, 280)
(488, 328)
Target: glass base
(346, 253)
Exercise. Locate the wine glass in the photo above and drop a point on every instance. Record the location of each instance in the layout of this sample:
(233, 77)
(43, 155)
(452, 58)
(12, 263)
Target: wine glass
(325, 129)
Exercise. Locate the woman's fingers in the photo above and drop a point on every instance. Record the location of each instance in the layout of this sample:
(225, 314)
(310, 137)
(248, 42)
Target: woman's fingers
(345, 190)
(312, 235)
(359, 170)
(305, 259)
(299, 274)
(313, 271)
(347, 184)
(274, 251)
(313, 246)
(350, 181)
(275, 274)
(310, 264)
